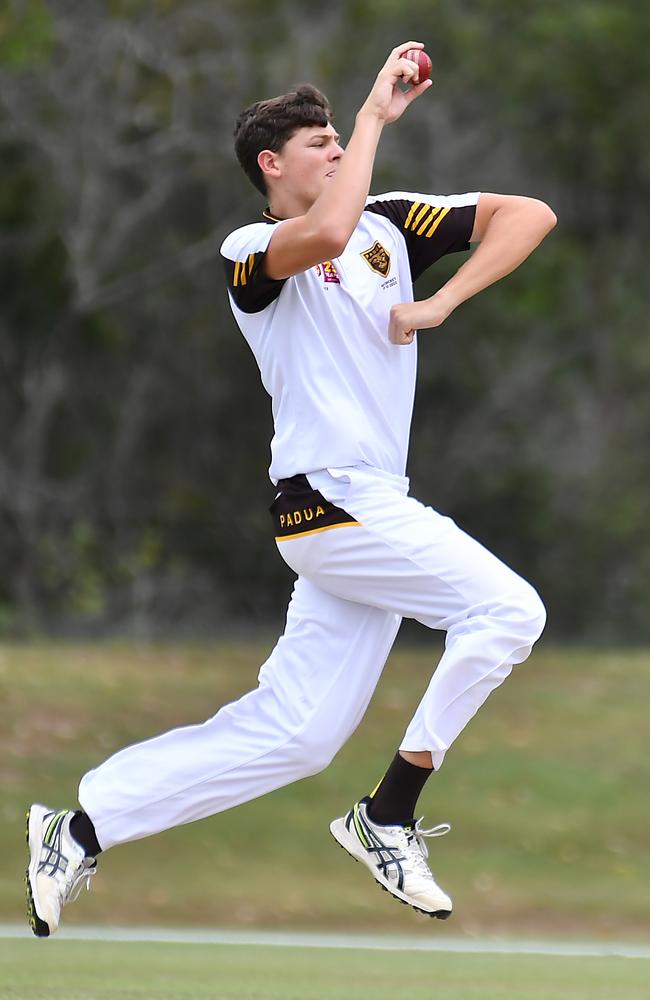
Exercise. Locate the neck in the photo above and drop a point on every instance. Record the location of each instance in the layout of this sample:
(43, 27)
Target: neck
(287, 206)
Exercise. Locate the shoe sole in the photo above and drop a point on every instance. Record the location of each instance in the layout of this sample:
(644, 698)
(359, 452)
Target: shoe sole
(343, 838)
(32, 836)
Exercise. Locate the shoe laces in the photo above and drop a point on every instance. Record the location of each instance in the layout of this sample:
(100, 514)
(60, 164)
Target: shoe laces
(73, 883)
(415, 846)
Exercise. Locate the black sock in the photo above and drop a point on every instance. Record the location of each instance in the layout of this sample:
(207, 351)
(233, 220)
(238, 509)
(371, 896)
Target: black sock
(83, 831)
(395, 798)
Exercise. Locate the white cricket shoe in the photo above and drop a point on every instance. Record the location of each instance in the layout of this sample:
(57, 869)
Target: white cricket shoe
(58, 868)
(396, 857)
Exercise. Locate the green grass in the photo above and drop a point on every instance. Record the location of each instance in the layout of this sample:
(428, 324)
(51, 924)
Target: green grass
(101, 971)
(546, 792)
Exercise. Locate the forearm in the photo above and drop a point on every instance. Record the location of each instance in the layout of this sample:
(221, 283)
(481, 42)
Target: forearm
(511, 235)
(508, 235)
(340, 205)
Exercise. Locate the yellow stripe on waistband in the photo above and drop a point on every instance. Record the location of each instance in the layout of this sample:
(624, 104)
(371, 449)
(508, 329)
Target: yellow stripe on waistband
(316, 531)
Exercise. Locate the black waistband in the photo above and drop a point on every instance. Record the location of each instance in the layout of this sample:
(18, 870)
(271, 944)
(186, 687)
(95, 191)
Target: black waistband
(299, 508)
(296, 484)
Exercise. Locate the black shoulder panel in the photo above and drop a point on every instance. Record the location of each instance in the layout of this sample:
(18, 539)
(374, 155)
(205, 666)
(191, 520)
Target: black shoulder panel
(249, 286)
(431, 231)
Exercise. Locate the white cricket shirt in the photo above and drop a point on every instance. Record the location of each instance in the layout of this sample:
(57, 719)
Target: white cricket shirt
(341, 393)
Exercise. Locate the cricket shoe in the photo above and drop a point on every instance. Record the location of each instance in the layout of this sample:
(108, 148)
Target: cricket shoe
(58, 868)
(396, 856)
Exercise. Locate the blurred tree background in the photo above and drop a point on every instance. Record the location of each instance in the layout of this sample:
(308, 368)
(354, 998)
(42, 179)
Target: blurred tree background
(133, 428)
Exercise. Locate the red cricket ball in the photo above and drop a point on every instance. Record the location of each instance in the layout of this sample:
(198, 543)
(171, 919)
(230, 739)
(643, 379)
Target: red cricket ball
(420, 57)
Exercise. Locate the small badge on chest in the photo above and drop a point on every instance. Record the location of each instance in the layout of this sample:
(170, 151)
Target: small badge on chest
(378, 258)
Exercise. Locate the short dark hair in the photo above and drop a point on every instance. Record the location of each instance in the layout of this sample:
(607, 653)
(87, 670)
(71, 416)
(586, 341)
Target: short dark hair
(269, 124)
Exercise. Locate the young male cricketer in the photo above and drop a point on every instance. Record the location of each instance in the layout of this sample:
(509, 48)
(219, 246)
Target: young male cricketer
(321, 288)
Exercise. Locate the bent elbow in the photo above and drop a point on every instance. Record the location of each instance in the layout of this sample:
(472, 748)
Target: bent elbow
(551, 219)
(547, 217)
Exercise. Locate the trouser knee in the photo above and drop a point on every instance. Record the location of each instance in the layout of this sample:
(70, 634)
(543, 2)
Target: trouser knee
(526, 610)
(312, 752)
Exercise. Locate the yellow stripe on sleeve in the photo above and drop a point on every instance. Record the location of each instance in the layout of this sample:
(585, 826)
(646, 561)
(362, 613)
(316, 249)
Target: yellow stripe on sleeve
(436, 222)
(414, 206)
(428, 219)
(418, 218)
(243, 270)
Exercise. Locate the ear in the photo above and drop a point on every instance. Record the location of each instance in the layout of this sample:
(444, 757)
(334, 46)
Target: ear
(268, 163)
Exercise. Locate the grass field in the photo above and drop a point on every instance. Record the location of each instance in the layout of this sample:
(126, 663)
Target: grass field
(38, 970)
(546, 792)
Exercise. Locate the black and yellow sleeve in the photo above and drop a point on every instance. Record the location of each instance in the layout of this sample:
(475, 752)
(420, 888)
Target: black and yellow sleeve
(431, 230)
(249, 286)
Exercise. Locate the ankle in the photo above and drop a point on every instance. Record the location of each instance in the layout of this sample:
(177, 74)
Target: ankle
(394, 800)
(83, 831)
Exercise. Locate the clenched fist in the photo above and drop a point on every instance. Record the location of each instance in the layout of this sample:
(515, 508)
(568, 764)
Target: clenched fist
(407, 317)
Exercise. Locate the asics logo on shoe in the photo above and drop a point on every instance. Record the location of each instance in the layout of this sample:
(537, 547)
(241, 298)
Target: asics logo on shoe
(387, 859)
(52, 859)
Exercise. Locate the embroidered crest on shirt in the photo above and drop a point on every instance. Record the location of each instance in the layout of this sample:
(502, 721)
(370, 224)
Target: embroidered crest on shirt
(378, 258)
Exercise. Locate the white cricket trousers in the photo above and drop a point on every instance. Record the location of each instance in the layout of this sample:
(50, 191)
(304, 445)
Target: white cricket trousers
(355, 583)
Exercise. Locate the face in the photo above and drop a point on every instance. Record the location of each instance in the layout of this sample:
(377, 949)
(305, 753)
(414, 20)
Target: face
(304, 165)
